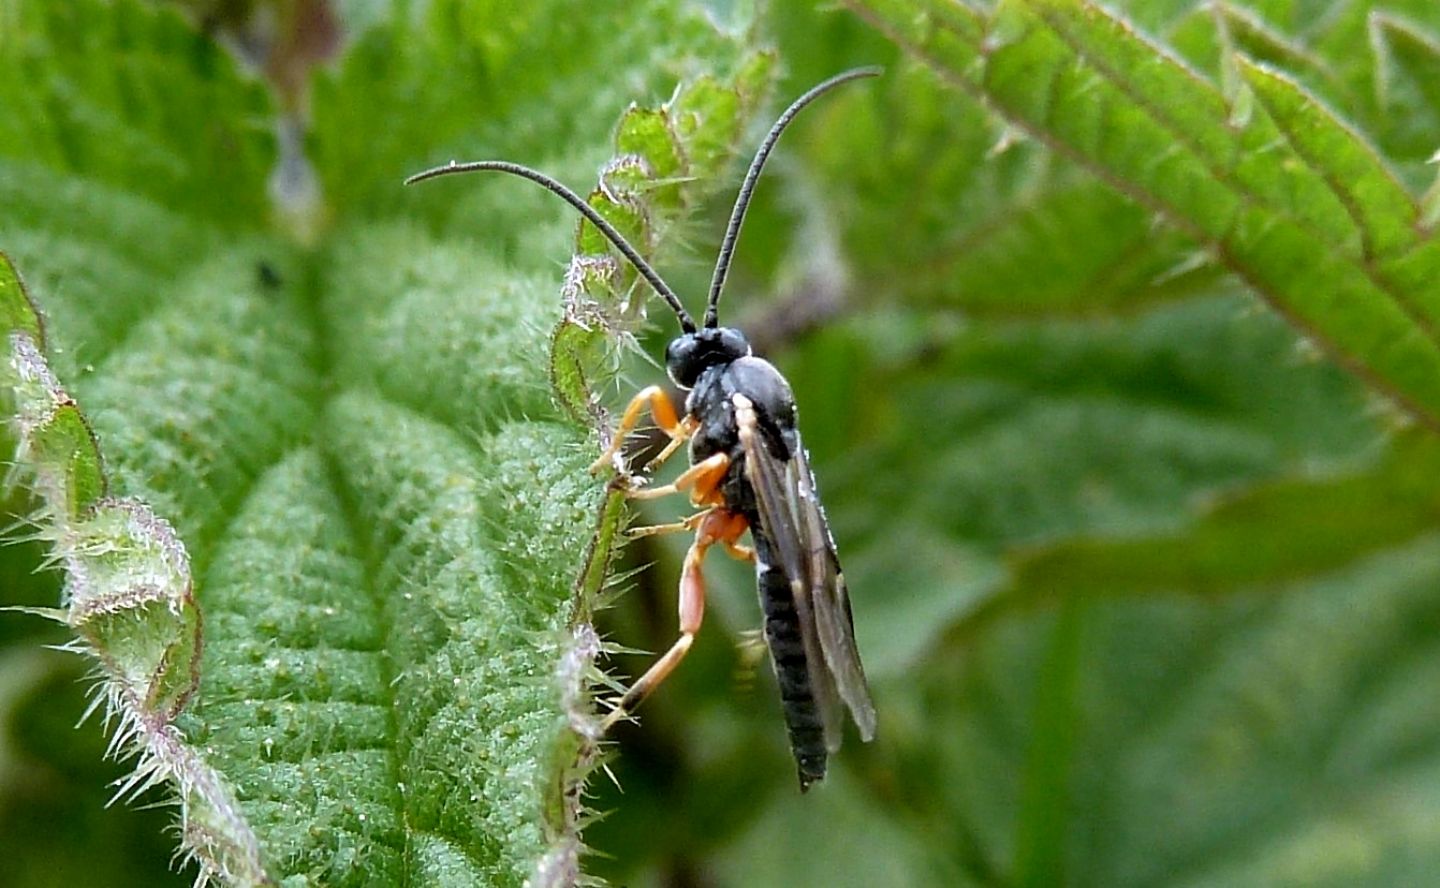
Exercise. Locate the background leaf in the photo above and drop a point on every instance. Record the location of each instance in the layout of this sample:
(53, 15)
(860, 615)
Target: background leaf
(1022, 499)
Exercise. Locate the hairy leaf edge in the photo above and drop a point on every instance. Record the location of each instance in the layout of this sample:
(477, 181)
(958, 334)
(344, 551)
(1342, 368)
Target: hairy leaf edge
(128, 597)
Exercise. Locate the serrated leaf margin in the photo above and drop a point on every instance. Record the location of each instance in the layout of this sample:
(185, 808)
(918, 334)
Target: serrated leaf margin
(128, 597)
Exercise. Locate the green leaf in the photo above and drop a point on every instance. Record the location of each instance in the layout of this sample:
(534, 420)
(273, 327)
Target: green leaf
(935, 203)
(128, 598)
(1064, 429)
(137, 100)
(1293, 201)
(1039, 853)
(18, 313)
(363, 477)
(57, 780)
(1274, 533)
(1382, 212)
(1405, 81)
(1270, 740)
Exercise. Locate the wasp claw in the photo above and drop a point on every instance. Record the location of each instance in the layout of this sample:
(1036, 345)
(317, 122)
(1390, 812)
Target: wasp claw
(617, 713)
(632, 484)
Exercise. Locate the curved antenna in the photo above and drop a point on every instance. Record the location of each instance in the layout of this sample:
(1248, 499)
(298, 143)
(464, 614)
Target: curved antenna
(747, 188)
(687, 324)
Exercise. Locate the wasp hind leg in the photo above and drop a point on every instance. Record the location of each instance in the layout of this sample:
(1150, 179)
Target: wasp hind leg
(739, 552)
(715, 526)
(662, 411)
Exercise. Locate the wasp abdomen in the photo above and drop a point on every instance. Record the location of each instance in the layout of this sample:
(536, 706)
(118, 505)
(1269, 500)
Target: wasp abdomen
(792, 669)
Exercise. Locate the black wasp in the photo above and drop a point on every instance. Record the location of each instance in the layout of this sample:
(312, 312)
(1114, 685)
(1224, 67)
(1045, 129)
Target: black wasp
(748, 471)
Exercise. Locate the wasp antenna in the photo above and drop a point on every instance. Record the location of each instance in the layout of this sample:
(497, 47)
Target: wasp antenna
(747, 188)
(687, 324)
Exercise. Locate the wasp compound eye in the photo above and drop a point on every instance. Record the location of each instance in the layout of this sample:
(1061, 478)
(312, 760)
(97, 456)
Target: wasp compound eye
(681, 360)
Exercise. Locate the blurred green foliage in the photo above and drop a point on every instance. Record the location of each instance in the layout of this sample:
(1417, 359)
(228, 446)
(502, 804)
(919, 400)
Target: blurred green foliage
(1147, 586)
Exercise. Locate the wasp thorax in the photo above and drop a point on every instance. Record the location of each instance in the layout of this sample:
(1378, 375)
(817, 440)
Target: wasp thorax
(690, 354)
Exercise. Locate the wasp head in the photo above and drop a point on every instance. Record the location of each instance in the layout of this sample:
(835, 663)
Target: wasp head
(690, 354)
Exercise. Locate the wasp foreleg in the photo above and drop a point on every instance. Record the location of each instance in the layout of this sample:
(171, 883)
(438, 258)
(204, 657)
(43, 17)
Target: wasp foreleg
(716, 526)
(662, 411)
(678, 436)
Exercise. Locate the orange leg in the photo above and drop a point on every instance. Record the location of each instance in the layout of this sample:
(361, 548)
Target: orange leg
(678, 437)
(662, 411)
(690, 523)
(717, 526)
(701, 480)
(739, 552)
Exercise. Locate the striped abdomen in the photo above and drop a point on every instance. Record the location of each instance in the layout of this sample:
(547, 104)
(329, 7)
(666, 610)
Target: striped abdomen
(792, 671)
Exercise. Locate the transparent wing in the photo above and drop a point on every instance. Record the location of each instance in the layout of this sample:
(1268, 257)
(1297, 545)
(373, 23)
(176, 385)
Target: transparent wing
(791, 517)
(782, 525)
(830, 599)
